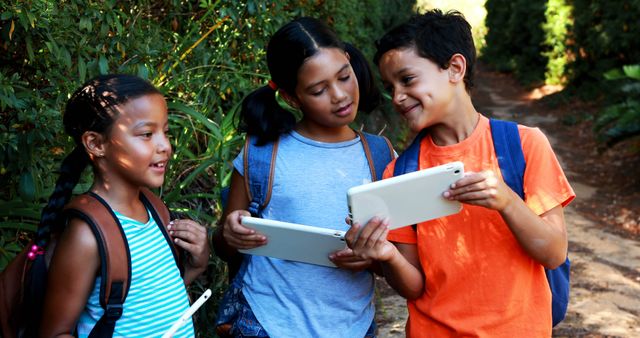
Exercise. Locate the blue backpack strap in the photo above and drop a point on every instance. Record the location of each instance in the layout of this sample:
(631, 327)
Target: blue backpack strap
(408, 161)
(259, 167)
(508, 148)
(378, 151)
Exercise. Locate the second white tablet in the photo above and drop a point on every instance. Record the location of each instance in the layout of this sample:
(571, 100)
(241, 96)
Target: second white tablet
(295, 242)
(406, 199)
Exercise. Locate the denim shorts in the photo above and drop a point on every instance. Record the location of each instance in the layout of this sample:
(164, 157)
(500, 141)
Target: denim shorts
(246, 324)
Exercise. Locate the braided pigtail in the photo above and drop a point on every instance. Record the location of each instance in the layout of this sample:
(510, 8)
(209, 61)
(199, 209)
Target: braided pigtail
(70, 171)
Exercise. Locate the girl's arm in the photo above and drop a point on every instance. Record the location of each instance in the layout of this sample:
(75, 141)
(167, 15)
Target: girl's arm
(71, 278)
(544, 237)
(231, 235)
(192, 237)
(400, 263)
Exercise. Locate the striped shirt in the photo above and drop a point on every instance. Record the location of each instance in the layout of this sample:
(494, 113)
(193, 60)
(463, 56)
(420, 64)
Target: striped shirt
(157, 295)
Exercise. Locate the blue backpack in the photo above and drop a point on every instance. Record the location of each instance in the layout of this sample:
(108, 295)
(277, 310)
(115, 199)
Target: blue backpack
(259, 166)
(508, 148)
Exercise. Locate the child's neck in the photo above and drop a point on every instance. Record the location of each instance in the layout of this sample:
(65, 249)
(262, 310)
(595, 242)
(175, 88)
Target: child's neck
(125, 200)
(325, 134)
(459, 124)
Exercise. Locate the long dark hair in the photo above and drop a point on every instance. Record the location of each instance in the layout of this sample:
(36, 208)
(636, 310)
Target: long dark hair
(435, 36)
(91, 108)
(287, 50)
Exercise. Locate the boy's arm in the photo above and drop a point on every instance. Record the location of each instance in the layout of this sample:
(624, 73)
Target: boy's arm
(400, 263)
(404, 273)
(543, 237)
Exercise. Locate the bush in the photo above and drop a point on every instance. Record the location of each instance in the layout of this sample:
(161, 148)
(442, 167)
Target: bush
(620, 120)
(203, 55)
(515, 39)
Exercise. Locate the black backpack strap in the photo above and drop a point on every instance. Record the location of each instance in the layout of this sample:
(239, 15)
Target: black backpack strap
(115, 268)
(161, 215)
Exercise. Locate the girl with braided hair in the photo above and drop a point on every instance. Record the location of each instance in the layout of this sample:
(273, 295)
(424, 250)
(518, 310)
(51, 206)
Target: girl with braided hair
(119, 124)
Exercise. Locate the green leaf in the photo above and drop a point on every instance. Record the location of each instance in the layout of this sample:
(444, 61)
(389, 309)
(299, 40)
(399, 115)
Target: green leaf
(27, 187)
(29, 44)
(18, 226)
(632, 71)
(82, 69)
(103, 65)
(143, 72)
(613, 74)
(210, 125)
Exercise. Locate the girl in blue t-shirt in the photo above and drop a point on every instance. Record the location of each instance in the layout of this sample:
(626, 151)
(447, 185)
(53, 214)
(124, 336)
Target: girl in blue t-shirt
(119, 124)
(319, 157)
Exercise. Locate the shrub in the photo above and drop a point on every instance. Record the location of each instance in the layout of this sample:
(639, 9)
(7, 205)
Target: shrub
(203, 55)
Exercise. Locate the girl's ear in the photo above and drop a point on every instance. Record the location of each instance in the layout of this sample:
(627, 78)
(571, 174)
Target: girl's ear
(457, 68)
(94, 143)
(290, 100)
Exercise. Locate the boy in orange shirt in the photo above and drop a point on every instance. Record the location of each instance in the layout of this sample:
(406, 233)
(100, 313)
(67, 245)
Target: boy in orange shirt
(478, 273)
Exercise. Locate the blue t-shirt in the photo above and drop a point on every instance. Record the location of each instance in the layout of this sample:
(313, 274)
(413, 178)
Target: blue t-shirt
(157, 295)
(292, 299)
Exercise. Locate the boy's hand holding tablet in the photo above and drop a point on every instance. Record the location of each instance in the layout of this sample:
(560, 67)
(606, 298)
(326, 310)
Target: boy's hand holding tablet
(406, 199)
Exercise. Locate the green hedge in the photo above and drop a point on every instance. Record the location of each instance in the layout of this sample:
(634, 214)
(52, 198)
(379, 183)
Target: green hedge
(204, 55)
(575, 43)
(572, 41)
(514, 40)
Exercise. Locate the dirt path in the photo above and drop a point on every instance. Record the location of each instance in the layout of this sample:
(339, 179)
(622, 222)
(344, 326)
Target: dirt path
(605, 275)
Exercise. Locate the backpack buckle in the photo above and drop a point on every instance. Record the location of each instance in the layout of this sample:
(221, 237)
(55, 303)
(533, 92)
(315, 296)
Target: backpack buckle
(113, 312)
(254, 208)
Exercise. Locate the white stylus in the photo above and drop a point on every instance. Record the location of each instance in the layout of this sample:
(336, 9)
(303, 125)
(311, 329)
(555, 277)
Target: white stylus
(186, 316)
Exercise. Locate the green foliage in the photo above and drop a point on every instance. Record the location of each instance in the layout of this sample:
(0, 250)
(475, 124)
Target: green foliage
(515, 39)
(605, 35)
(556, 27)
(572, 42)
(205, 56)
(621, 119)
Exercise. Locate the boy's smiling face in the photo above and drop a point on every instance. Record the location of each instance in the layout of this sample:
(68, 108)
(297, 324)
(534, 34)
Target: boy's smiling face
(420, 90)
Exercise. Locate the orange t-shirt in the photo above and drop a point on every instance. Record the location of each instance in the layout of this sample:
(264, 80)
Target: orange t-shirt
(478, 280)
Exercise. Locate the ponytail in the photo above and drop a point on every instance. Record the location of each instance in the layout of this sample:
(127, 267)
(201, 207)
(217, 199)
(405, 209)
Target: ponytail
(262, 116)
(70, 171)
(370, 97)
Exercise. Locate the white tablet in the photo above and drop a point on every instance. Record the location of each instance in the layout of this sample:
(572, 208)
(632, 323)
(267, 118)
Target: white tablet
(295, 242)
(406, 199)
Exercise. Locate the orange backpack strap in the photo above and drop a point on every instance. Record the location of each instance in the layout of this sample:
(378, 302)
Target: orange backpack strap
(115, 267)
(160, 213)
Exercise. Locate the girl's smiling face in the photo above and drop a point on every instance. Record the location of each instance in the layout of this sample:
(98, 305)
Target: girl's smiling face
(137, 149)
(327, 90)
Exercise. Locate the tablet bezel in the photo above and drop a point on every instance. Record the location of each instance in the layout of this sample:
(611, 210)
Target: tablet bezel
(295, 242)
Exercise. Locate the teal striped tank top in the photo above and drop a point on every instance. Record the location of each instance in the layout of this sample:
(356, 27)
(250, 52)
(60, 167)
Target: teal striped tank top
(157, 296)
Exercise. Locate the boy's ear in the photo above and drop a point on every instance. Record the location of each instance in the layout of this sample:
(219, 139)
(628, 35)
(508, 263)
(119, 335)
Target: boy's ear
(94, 143)
(457, 68)
(290, 100)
